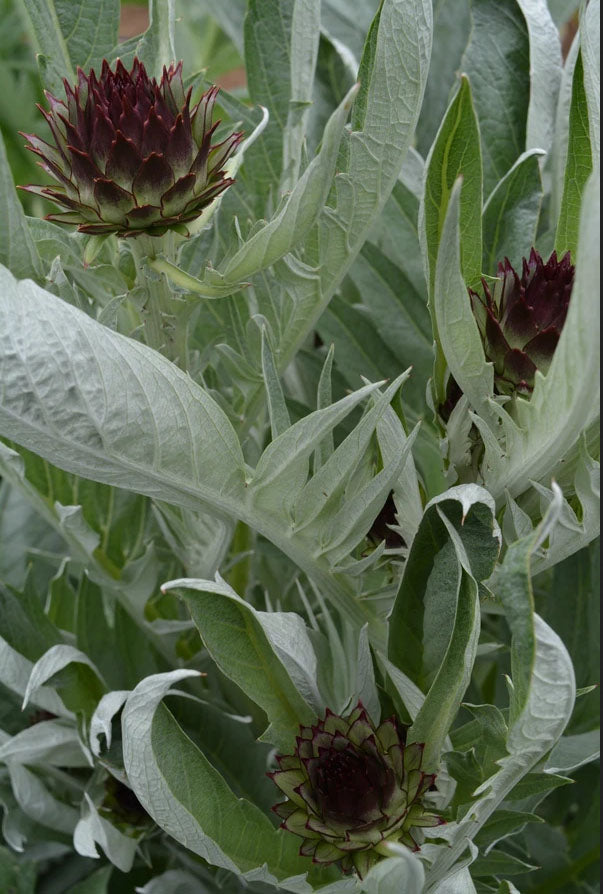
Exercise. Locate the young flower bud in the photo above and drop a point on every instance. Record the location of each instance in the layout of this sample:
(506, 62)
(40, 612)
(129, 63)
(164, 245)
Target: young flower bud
(352, 787)
(520, 319)
(130, 156)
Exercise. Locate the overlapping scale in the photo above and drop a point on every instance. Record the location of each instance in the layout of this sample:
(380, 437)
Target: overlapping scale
(130, 154)
(520, 318)
(351, 786)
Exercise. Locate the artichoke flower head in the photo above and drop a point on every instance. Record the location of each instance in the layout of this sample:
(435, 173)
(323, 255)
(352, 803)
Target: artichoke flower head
(351, 788)
(520, 319)
(130, 155)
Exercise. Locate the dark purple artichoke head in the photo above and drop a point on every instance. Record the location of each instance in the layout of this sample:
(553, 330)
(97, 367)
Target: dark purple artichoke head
(521, 318)
(130, 156)
(352, 787)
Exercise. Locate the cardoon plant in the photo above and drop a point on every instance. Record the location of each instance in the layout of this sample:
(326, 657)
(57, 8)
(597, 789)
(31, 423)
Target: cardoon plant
(242, 560)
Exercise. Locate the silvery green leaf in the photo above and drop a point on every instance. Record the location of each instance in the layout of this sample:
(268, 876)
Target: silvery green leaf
(47, 37)
(145, 775)
(250, 647)
(545, 73)
(331, 478)
(411, 697)
(277, 408)
(572, 752)
(17, 249)
(351, 524)
(68, 521)
(54, 660)
(517, 524)
(324, 398)
(550, 700)
(459, 882)
(392, 438)
(288, 636)
(101, 721)
(301, 209)
(560, 143)
(542, 699)
(458, 333)
(579, 163)
(348, 25)
(399, 41)
(590, 36)
(451, 27)
(15, 672)
(286, 456)
(356, 567)
(213, 286)
(366, 687)
(511, 213)
(455, 152)
(36, 801)
(536, 730)
(93, 829)
(89, 28)
(562, 10)
(444, 697)
(497, 62)
(268, 37)
(96, 373)
(468, 511)
(156, 46)
(51, 742)
(21, 530)
(305, 35)
(17, 828)
(200, 540)
(504, 824)
(571, 534)
(225, 830)
(401, 871)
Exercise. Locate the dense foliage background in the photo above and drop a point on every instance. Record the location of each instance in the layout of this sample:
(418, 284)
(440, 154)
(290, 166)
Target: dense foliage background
(203, 547)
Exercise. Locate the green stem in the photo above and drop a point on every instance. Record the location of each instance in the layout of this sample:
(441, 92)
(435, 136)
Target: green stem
(164, 320)
(242, 542)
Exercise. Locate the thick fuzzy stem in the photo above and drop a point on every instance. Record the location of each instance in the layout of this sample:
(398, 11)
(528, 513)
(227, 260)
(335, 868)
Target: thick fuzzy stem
(164, 324)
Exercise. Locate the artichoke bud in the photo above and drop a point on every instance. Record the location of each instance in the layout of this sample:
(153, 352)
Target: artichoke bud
(520, 319)
(351, 788)
(130, 155)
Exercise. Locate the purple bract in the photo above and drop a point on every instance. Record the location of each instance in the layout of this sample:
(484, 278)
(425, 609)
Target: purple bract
(520, 319)
(351, 788)
(130, 155)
